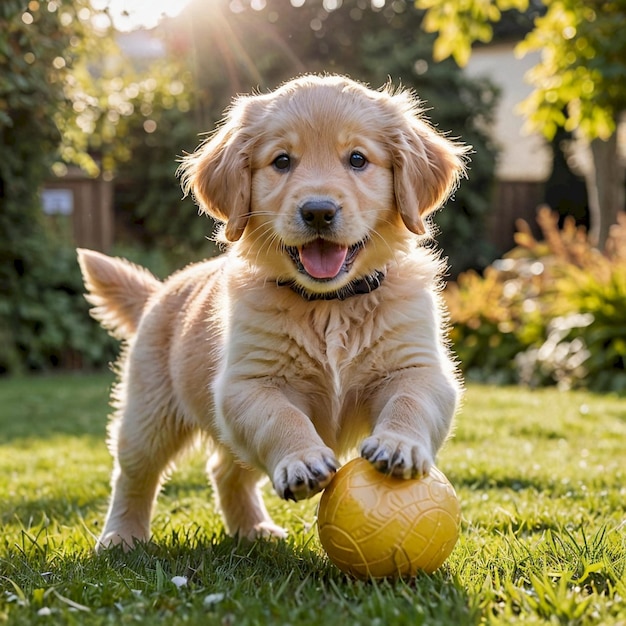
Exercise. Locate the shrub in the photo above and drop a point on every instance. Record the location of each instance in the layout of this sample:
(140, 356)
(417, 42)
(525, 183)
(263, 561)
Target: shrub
(550, 312)
(43, 316)
(46, 322)
(488, 317)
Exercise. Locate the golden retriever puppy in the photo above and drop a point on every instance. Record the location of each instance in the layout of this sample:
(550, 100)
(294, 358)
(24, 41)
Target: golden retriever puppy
(318, 330)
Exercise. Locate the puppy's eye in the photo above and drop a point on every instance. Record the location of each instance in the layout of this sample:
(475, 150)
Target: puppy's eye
(282, 162)
(357, 161)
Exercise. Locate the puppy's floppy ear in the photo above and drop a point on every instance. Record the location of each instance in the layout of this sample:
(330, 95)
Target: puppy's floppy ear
(218, 174)
(426, 166)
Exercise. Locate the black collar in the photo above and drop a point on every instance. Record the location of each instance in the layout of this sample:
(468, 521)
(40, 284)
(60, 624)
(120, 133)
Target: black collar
(367, 284)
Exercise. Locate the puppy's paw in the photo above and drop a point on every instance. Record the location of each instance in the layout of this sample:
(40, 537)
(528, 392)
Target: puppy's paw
(303, 474)
(265, 530)
(124, 530)
(396, 455)
(113, 539)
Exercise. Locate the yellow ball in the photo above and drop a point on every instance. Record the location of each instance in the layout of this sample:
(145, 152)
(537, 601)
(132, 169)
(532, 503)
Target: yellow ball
(377, 526)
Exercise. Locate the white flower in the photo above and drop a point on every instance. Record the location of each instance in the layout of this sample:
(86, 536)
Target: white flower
(179, 581)
(213, 598)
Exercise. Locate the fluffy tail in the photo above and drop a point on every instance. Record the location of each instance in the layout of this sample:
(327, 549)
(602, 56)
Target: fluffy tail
(118, 290)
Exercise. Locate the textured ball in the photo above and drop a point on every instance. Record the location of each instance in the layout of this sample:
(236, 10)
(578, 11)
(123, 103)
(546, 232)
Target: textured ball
(377, 526)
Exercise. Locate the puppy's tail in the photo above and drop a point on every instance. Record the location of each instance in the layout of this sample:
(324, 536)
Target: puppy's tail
(118, 290)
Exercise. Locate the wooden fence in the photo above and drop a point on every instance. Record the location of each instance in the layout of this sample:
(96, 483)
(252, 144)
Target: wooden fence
(82, 208)
(513, 200)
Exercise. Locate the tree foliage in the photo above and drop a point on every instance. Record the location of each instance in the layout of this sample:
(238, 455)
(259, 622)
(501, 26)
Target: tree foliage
(579, 85)
(41, 310)
(460, 23)
(578, 82)
(139, 122)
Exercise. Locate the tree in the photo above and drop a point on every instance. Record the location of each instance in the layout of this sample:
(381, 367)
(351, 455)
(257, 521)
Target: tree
(43, 315)
(36, 54)
(578, 83)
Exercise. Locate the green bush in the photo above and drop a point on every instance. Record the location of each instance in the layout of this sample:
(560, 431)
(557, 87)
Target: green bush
(43, 316)
(488, 318)
(593, 300)
(45, 319)
(551, 312)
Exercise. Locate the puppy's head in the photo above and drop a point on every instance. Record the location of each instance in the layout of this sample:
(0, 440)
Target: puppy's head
(321, 182)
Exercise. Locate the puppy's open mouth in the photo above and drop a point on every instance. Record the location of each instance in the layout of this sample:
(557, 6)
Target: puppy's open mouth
(322, 259)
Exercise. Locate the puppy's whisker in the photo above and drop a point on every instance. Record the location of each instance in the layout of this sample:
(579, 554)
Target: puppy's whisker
(375, 235)
(260, 231)
(265, 235)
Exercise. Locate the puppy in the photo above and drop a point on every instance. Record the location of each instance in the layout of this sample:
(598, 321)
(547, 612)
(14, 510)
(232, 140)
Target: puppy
(319, 329)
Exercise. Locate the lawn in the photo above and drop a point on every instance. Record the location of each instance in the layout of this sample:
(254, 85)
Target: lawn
(541, 477)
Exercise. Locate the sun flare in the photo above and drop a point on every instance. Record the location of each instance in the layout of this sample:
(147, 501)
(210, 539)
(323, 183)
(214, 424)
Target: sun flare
(132, 14)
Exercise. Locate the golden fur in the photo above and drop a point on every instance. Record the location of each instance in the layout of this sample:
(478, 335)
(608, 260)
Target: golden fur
(319, 184)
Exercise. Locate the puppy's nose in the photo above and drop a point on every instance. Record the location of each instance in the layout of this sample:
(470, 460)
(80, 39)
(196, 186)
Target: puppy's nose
(319, 214)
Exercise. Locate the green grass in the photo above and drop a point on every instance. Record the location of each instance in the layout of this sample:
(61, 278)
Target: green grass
(540, 475)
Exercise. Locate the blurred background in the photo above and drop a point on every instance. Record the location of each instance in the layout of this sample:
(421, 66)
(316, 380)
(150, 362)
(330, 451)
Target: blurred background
(98, 101)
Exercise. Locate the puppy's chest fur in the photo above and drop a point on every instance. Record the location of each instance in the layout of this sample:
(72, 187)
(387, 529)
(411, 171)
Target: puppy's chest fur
(332, 343)
(328, 358)
(321, 342)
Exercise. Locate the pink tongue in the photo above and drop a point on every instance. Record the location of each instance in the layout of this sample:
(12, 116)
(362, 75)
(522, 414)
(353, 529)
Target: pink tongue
(323, 259)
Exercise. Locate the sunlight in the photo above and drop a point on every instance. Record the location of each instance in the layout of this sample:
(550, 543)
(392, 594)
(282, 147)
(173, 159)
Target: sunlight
(132, 14)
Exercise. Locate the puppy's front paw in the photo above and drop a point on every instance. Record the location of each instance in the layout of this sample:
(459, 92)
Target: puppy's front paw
(397, 455)
(303, 474)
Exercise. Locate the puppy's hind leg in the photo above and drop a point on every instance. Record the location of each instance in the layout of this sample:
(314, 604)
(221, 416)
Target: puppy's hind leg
(144, 446)
(239, 498)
